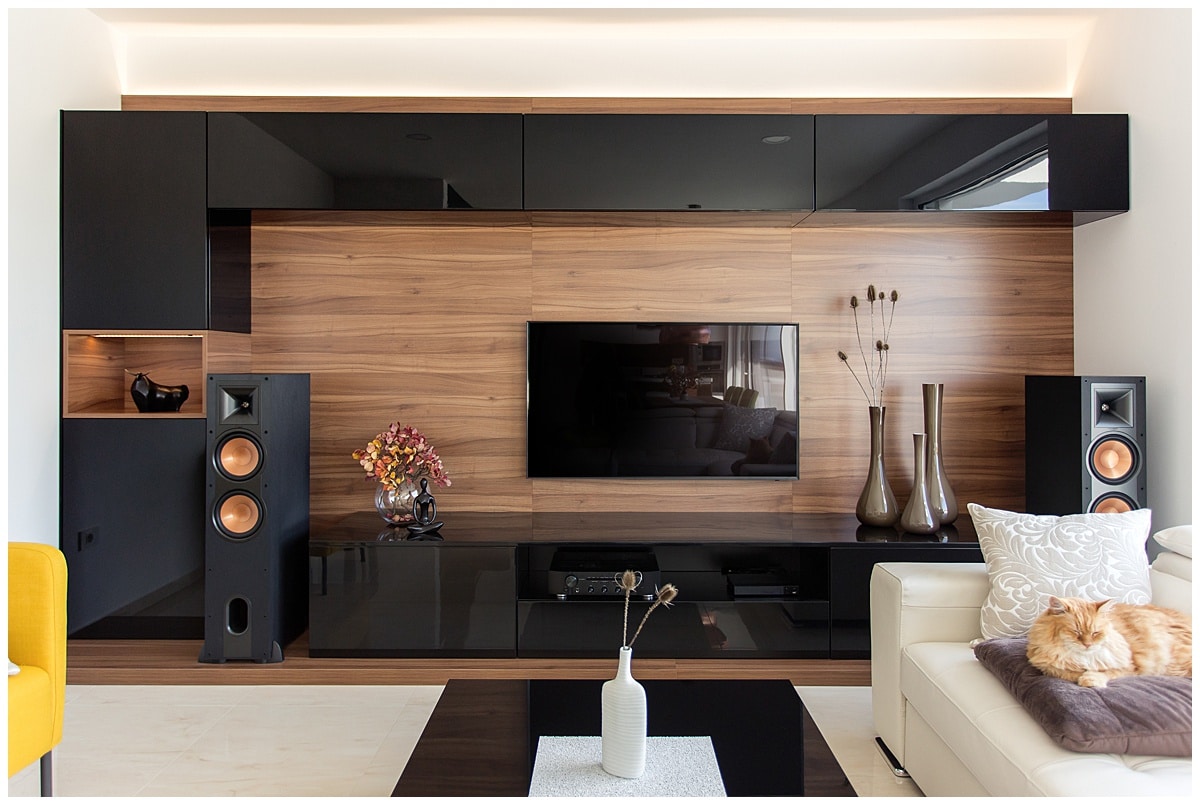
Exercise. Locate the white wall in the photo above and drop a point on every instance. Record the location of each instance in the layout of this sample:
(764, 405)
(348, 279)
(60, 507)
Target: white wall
(1133, 272)
(59, 59)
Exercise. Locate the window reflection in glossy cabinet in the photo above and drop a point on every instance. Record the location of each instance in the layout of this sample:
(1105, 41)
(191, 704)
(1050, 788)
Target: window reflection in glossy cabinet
(1056, 163)
(668, 162)
(364, 161)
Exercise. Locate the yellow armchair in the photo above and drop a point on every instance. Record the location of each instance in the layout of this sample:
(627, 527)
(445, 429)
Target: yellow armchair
(37, 642)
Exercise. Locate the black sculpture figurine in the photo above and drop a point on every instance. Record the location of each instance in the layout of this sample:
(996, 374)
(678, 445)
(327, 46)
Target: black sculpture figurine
(425, 512)
(151, 397)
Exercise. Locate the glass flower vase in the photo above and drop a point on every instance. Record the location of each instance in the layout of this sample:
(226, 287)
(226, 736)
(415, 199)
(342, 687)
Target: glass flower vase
(395, 504)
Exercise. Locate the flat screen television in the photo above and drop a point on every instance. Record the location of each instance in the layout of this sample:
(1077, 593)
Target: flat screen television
(664, 400)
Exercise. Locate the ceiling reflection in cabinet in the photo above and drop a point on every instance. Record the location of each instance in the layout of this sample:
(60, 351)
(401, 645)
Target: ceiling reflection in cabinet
(668, 162)
(364, 161)
(1077, 163)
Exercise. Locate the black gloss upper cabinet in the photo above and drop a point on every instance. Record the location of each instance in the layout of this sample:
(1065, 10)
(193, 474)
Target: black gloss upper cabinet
(1055, 163)
(134, 225)
(364, 161)
(668, 162)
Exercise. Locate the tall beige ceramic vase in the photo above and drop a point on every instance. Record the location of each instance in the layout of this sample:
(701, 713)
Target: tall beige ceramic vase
(623, 722)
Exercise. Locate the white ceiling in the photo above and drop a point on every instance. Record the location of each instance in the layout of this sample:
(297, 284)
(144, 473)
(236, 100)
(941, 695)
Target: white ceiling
(661, 52)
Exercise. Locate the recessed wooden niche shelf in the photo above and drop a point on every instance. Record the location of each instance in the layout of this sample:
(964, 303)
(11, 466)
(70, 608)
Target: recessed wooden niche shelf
(98, 368)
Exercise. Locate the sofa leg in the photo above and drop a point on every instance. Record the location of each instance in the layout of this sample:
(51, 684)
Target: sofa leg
(47, 777)
(893, 763)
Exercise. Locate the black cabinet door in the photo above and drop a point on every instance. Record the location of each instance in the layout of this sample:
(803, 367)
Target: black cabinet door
(133, 519)
(850, 583)
(948, 163)
(668, 162)
(134, 231)
(364, 161)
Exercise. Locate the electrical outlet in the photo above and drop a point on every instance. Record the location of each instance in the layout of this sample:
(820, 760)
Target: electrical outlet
(88, 537)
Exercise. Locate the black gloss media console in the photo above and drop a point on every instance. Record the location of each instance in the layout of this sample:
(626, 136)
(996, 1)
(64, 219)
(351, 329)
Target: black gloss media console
(789, 586)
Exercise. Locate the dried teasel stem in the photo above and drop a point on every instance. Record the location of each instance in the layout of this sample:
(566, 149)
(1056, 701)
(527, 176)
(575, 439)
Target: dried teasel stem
(628, 582)
(662, 596)
(875, 367)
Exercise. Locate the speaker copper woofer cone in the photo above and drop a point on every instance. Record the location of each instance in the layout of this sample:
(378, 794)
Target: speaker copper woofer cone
(238, 456)
(238, 515)
(1113, 459)
(1112, 503)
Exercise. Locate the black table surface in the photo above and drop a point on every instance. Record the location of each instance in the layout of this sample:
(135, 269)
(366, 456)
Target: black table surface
(467, 527)
(481, 739)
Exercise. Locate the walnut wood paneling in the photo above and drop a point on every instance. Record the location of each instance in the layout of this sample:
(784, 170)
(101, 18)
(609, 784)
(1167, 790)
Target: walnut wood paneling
(979, 309)
(173, 662)
(265, 103)
(398, 319)
(421, 319)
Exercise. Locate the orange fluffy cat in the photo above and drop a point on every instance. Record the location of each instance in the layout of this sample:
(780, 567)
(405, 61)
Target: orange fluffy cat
(1091, 642)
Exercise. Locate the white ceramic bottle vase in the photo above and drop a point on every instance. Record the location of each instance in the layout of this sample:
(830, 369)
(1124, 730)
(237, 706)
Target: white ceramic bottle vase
(623, 722)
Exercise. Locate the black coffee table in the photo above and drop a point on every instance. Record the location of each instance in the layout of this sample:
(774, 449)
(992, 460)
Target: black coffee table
(481, 739)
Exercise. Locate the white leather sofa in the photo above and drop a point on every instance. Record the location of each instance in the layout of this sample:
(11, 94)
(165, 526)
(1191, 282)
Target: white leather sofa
(954, 727)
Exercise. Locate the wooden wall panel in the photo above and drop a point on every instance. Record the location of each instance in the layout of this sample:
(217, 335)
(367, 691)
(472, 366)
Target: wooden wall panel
(422, 319)
(979, 309)
(398, 320)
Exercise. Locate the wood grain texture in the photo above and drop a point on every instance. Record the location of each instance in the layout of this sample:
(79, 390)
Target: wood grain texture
(97, 370)
(174, 662)
(978, 310)
(595, 105)
(402, 317)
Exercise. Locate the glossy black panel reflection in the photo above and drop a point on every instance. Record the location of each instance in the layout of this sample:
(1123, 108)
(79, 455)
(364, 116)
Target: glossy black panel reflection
(684, 400)
(668, 162)
(364, 161)
(1064, 163)
(851, 568)
(759, 729)
(404, 599)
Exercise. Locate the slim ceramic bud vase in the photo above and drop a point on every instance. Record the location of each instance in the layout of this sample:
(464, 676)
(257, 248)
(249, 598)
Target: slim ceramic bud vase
(941, 496)
(623, 721)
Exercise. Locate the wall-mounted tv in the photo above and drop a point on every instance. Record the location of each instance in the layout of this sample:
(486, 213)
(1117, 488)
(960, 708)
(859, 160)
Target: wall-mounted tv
(663, 400)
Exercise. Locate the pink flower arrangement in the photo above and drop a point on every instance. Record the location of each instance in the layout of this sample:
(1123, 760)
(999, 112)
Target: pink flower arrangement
(401, 455)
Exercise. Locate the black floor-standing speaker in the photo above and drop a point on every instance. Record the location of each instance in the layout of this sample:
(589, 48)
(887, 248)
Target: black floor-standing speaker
(1085, 444)
(256, 529)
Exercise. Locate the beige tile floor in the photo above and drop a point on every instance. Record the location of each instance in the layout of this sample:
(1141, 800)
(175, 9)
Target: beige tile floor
(316, 741)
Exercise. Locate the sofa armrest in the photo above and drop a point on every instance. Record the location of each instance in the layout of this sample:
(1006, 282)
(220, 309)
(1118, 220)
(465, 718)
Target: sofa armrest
(1171, 571)
(916, 602)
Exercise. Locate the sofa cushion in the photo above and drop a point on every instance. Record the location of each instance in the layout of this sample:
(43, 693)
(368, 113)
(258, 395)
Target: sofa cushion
(785, 450)
(758, 452)
(1177, 539)
(1136, 715)
(740, 425)
(1031, 557)
(993, 736)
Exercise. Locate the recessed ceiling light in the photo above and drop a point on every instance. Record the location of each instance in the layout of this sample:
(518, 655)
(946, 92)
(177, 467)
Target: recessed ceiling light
(776, 139)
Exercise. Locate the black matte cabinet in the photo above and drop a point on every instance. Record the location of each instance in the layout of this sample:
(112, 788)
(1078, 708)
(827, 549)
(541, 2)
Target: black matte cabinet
(668, 162)
(132, 514)
(364, 161)
(135, 228)
(967, 163)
